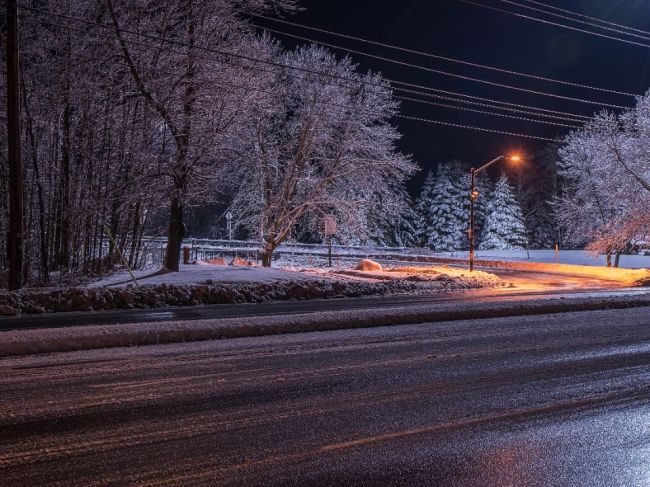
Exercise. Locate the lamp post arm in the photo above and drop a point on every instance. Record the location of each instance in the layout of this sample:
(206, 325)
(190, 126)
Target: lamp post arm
(485, 166)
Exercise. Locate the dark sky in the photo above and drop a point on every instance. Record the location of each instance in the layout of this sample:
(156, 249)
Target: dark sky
(454, 29)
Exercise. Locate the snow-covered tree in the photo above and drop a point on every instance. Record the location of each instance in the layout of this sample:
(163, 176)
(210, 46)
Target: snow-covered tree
(447, 228)
(606, 165)
(423, 207)
(317, 145)
(504, 225)
(443, 207)
(535, 185)
(393, 220)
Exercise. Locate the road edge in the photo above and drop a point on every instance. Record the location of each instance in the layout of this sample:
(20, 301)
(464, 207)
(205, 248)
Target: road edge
(51, 340)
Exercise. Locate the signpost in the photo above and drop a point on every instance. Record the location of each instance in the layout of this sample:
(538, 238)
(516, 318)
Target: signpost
(229, 220)
(330, 231)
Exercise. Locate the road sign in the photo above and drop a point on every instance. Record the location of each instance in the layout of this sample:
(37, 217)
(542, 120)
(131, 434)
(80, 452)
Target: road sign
(330, 225)
(229, 220)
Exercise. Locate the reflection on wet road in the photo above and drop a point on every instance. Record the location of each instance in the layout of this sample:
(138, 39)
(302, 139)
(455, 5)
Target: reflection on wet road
(542, 400)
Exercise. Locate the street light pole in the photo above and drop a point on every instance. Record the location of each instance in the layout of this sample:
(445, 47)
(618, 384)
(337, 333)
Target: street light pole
(470, 233)
(473, 196)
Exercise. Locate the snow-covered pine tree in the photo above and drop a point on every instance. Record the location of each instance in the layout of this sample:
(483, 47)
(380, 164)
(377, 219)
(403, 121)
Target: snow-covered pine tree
(423, 210)
(484, 188)
(535, 186)
(396, 228)
(447, 226)
(504, 226)
(443, 207)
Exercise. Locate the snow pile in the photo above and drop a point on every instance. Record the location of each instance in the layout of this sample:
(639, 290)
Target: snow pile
(470, 280)
(247, 285)
(209, 292)
(440, 279)
(368, 265)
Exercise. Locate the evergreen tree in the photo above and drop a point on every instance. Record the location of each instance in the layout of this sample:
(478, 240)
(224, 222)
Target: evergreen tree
(443, 207)
(504, 226)
(423, 210)
(391, 220)
(447, 231)
(535, 186)
(484, 188)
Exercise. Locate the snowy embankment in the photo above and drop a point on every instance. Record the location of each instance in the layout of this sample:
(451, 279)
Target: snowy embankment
(208, 284)
(91, 337)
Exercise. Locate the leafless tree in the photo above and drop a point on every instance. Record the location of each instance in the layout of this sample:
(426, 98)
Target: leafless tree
(319, 143)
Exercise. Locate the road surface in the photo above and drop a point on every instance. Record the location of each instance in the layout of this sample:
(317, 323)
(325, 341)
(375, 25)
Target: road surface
(533, 401)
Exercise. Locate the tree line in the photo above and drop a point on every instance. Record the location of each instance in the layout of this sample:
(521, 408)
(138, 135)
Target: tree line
(136, 112)
(515, 212)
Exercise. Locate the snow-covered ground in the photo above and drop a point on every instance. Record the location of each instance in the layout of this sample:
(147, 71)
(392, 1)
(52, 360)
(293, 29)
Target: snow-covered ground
(201, 273)
(197, 273)
(312, 255)
(218, 284)
(571, 257)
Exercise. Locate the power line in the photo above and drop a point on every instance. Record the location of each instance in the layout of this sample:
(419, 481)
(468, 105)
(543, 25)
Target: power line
(484, 112)
(263, 61)
(579, 14)
(470, 127)
(251, 89)
(565, 17)
(548, 22)
(444, 73)
(485, 105)
(437, 56)
(472, 97)
(228, 61)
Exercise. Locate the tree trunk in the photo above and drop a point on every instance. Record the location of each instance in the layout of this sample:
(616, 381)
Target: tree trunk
(608, 256)
(267, 254)
(617, 259)
(175, 235)
(64, 249)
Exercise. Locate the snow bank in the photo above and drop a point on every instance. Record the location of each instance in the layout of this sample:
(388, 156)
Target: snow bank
(90, 337)
(242, 285)
(209, 292)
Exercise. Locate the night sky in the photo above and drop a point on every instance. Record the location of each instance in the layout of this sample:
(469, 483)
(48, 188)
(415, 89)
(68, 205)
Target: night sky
(454, 29)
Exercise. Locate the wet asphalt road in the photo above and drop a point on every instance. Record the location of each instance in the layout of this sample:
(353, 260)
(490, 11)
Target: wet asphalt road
(561, 400)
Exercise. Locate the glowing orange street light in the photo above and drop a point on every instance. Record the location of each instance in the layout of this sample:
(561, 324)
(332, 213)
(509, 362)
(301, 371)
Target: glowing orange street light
(473, 196)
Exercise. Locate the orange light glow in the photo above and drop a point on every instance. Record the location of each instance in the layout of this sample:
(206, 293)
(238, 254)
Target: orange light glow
(515, 158)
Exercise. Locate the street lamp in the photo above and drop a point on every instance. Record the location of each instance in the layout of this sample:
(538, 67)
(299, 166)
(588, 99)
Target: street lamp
(473, 195)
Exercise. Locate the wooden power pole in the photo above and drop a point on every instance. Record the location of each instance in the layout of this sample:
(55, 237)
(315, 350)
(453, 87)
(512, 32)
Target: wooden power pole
(16, 220)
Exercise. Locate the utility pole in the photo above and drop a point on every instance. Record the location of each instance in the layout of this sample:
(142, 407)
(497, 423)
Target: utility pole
(16, 223)
(473, 194)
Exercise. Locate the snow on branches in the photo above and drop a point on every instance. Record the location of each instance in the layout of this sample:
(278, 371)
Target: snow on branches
(318, 143)
(606, 165)
(504, 225)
